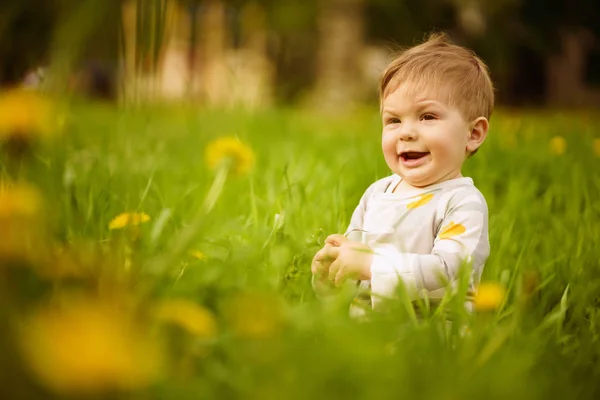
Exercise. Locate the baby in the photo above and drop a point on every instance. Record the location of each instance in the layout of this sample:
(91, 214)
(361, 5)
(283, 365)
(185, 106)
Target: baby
(424, 222)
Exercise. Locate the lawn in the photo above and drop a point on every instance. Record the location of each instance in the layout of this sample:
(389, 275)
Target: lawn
(203, 289)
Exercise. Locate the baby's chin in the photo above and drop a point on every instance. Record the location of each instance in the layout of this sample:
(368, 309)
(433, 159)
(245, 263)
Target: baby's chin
(419, 184)
(418, 180)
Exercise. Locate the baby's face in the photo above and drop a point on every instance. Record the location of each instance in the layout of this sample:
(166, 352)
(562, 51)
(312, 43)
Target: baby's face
(424, 139)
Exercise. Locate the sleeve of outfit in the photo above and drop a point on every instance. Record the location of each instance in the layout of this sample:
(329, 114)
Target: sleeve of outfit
(462, 236)
(324, 288)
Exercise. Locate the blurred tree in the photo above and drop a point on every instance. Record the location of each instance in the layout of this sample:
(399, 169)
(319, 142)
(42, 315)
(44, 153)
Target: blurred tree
(65, 35)
(84, 53)
(340, 45)
(214, 41)
(192, 8)
(539, 51)
(291, 41)
(400, 23)
(150, 29)
(142, 35)
(478, 24)
(563, 35)
(25, 35)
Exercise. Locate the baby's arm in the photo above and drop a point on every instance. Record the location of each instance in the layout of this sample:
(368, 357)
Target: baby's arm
(462, 237)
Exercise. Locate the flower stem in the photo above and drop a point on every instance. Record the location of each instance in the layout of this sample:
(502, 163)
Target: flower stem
(216, 188)
(182, 241)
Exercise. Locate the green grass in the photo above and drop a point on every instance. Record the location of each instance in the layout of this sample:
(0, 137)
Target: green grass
(544, 233)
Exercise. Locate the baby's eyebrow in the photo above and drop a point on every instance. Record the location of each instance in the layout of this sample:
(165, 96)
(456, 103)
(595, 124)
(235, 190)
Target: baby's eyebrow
(427, 102)
(436, 105)
(417, 106)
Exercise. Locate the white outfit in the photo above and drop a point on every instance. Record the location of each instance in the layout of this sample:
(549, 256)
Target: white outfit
(422, 237)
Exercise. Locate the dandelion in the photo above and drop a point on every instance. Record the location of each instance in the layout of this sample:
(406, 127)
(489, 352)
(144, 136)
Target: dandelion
(20, 208)
(596, 147)
(88, 348)
(254, 316)
(128, 219)
(230, 149)
(190, 316)
(558, 145)
(19, 200)
(489, 296)
(25, 114)
(198, 255)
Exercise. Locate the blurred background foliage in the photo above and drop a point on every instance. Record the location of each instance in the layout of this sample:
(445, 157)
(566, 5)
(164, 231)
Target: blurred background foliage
(326, 53)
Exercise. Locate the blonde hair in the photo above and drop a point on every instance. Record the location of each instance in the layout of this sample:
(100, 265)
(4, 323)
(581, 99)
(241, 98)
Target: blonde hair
(440, 65)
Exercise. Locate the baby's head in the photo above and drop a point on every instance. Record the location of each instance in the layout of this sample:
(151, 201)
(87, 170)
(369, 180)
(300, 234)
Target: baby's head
(436, 99)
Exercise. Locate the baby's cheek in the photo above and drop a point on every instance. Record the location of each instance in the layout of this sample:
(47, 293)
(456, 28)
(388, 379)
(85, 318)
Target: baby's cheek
(447, 153)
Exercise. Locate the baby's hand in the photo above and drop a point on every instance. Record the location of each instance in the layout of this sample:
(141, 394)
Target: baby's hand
(352, 260)
(324, 257)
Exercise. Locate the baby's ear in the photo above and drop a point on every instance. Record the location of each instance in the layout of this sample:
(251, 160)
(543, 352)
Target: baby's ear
(479, 130)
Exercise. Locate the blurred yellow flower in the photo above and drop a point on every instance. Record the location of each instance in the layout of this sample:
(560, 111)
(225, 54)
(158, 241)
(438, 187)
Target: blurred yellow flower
(21, 243)
(230, 149)
(26, 113)
(79, 259)
(198, 255)
(19, 200)
(190, 316)
(596, 147)
(558, 145)
(128, 219)
(253, 315)
(489, 296)
(88, 348)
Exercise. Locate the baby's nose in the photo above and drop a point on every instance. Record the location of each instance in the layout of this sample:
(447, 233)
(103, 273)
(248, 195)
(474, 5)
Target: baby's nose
(407, 133)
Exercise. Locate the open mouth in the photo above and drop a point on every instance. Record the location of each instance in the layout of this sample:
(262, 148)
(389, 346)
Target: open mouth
(411, 156)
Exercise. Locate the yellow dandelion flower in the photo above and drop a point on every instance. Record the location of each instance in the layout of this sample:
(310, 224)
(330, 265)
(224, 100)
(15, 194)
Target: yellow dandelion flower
(596, 147)
(19, 200)
(26, 113)
(255, 316)
(489, 296)
(88, 348)
(198, 255)
(558, 145)
(128, 219)
(230, 149)
(190, 316)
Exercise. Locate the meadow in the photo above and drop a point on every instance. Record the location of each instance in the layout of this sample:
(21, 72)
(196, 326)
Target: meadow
(144, 256)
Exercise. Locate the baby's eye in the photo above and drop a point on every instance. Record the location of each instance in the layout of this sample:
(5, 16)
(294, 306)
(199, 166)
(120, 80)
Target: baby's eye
(428, 117)
(392, 121)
